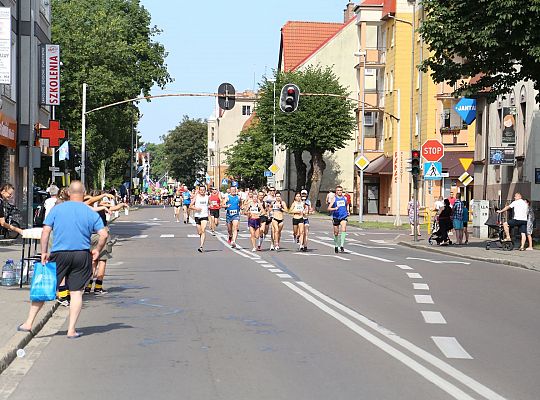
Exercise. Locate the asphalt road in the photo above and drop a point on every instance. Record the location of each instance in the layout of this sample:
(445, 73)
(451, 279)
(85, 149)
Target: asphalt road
(378, 322)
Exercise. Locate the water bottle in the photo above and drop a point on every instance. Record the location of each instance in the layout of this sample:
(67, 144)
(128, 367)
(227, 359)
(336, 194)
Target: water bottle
(8, 274)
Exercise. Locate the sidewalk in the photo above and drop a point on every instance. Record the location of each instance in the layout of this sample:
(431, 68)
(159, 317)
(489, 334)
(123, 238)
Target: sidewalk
(14, 303)
(476, 250)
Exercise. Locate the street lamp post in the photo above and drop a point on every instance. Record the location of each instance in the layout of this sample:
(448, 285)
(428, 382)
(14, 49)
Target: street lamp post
(363, 54)
(274, 127)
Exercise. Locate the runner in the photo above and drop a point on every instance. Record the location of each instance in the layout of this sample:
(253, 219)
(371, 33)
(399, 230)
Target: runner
(232, 204)
(309, 210)
(186, 195)
(339, 216)
(254, 209)
(215, 205)
(199, 205)
(298, 209)
(268, 201)
(278, 207)
(265, 223)
(177, 201)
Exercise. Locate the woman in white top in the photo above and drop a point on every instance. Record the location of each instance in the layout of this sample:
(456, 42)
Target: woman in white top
(278, 206)
(298, 210)
(199, 205)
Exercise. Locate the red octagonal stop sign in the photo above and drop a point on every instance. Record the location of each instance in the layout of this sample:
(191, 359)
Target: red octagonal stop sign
(432, 150)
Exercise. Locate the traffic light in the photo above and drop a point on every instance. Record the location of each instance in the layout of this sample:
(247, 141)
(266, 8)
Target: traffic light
(415, 163)
(290, 94)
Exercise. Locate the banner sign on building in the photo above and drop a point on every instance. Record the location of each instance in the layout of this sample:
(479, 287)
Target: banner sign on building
(502, 155)
(509, 125)
(50, 75)
(466, 108)
(5, 45)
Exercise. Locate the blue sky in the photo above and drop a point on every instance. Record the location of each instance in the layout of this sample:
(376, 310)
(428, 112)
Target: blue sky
(215, 41)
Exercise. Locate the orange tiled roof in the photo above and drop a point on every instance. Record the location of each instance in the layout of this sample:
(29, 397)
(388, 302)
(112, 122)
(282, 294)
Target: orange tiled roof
(372, 2)
(299, 39)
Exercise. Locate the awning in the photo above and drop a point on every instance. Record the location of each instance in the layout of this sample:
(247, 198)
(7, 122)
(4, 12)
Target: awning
(452, 162)
(380, 166)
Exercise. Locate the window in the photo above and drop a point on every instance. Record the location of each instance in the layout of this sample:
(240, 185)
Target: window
(369, 119)
(246, 110)
(213, 134)
(446, 118)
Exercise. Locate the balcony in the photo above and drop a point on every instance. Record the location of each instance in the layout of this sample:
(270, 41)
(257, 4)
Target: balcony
(375, 58)
(374, 101)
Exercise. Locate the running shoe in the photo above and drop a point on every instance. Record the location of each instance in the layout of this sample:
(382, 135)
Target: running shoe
(200, 249)
(230, 239)
(87, 290)
(258, 248)
(272, 247)
(342, 249)
(233, 245)
(336, 250)
(253, 249)
(62, 302)
(100, 292)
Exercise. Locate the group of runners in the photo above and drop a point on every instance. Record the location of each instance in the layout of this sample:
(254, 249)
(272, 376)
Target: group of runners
(265, 210)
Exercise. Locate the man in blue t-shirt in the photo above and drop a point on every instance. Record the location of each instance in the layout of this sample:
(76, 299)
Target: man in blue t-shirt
(186, 196)
(340, 213)
(72, 224)
(232, 217)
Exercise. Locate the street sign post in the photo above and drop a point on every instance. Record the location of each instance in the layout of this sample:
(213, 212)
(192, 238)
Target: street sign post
(432, 150)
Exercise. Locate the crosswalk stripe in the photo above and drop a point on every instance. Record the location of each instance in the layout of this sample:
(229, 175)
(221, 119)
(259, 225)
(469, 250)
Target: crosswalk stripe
(167, 236)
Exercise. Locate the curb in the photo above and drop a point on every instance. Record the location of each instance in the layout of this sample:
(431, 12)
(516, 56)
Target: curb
(484, 259)
(20, 339)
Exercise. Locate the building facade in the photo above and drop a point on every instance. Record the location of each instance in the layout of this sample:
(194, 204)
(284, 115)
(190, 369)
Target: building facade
(21, 114)
(224, 126)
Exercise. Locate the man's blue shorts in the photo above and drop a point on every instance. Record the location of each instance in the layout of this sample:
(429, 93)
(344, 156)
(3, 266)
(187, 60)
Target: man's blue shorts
(230, 218)
(458, 224)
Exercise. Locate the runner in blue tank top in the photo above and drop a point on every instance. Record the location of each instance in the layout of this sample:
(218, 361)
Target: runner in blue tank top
(233, 215)
(340, 213)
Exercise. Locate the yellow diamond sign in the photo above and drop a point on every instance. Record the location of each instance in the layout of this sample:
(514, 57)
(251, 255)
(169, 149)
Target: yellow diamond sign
(273, 168)
(361, 162)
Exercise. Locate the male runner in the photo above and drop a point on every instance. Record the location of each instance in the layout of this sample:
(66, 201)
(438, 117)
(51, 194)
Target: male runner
(232, 204)
(200, 207)
(215, 205)
(186, 195)
(339, 219)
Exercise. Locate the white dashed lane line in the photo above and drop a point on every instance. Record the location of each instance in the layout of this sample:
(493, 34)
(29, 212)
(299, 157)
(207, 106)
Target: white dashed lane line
(433, 317)
(414, 275)
(451, 348)
(423, 299)
(420, 286)
(168, 236)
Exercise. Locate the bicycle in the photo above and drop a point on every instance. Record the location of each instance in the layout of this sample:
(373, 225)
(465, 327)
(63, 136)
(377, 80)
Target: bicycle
(12, 217)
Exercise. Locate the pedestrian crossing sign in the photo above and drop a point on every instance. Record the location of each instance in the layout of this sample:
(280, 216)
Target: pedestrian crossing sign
(432, 171)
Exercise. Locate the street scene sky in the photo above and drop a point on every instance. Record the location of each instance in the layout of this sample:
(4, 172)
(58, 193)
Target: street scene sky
(219, 41)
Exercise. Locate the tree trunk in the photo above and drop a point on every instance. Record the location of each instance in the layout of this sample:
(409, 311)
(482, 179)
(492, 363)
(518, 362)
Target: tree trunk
(301, 170)
(317, 170)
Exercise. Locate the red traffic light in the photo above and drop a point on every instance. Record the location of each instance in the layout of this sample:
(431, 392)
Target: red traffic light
(415, 154)
(291, 91)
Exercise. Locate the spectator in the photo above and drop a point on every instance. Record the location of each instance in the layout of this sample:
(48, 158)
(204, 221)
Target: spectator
(348, 197)
(6, 193)
(51, 201)
(519, 219)
(411, 210)
(439, 203)
(530, 225)
(458, 218)
(72, 223)
(465, 221)
(452, 199)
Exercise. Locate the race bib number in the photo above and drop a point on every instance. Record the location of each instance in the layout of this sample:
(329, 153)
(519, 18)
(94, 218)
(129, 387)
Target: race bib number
(341, 203)
(299, 208)
(214, 203)
(233, 212)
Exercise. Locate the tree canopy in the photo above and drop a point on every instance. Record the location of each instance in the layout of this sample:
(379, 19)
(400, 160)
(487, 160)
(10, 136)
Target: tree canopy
(250, 156)
(185, 150)
(108, 44)
(496, 40)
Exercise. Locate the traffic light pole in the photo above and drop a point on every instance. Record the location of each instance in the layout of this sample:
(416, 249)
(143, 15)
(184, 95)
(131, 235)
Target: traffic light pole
(415, 208)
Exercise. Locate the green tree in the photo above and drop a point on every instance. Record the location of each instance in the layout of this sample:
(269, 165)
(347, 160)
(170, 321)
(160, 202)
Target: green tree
(108, 44)
(320, 124)
(250, 156)
(185, 150)
(498, 40)
(158, 161)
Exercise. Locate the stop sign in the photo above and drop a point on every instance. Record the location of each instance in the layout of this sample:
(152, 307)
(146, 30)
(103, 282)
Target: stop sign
(432, 150)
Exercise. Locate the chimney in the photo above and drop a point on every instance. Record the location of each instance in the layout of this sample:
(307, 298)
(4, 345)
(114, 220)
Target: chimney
(348, 13)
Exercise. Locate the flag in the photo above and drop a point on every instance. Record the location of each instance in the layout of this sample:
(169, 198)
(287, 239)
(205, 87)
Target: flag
(63, 151)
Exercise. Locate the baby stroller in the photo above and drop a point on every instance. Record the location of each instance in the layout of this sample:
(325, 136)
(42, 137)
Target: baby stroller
(495, 222)
(439, 233)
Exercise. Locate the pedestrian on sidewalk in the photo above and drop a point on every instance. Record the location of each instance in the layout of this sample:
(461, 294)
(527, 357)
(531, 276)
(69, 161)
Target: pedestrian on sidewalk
(530, 225)
(519, 219)
(465, 220)
(411, 210)
(458, 218)
(72, 224)
(6, 193)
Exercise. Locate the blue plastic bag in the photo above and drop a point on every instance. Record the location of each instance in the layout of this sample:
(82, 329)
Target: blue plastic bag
(43, 286)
